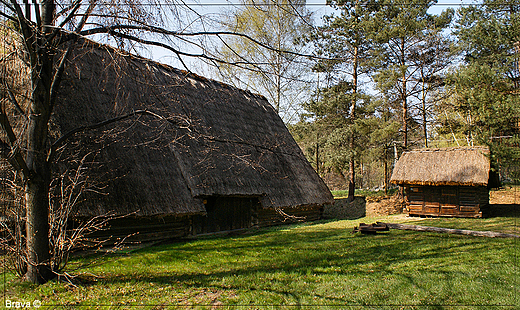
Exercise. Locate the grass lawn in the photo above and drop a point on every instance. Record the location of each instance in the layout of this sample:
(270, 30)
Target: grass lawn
(301, 265)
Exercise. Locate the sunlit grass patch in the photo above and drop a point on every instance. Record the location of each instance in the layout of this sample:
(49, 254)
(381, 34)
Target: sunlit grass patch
(308, 264)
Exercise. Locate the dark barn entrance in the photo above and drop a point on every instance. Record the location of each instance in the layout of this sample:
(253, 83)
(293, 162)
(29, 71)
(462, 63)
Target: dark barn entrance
(225, 214)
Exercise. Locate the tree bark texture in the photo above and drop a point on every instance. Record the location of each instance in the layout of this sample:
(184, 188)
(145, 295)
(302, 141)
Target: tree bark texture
(38, 181)
(351, 164)
(37, 229)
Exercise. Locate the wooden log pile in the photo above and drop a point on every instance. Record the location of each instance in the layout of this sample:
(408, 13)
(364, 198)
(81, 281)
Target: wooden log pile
(371, 229)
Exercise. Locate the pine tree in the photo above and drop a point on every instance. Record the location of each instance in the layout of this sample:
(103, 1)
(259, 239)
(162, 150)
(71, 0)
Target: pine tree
(484, 89)
(404, 29)
(344, 40)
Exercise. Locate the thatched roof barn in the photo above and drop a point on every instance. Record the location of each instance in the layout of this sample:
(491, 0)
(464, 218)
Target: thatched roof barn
(202, 147)
(445, 181)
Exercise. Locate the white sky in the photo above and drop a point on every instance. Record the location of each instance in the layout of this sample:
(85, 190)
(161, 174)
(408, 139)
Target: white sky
(213, 9)
(318, 7)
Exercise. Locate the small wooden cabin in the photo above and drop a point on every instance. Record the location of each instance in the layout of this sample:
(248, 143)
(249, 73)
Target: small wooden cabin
(217, 159)
(445, 181)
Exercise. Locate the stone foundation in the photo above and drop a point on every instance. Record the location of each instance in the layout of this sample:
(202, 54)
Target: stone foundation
(341, 209)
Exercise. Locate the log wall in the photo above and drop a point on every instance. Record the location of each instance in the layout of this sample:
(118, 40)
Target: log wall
(455, 201)
(143, 229)
(270, 217)
(223, 215)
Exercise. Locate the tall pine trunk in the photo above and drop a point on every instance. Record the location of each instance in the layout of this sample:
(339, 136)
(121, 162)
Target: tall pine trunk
(404, 98)
(351, 164)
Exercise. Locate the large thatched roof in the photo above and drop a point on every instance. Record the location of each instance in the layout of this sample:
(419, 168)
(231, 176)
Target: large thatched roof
(217, 140)
(443, 166)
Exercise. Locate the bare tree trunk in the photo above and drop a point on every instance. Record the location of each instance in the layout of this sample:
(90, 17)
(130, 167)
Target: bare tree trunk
(404, 115)
(317, 153)
(37, 228)
(425, 126)
(351, 182)
(37, 197)
(423, 112)
(38, 182)
(385, 161)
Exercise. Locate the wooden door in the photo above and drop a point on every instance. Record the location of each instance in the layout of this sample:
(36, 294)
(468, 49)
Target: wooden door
(225, 214)
(449, 200)
(431, 200)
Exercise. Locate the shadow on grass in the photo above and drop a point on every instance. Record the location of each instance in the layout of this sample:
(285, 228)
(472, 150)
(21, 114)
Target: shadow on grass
(272, 261)
(503, 210)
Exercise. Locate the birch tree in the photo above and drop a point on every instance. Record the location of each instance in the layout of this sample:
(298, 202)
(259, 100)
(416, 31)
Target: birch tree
(283, 78)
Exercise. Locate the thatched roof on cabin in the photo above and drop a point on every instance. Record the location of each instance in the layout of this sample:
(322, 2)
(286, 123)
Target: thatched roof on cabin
(219, 140)
(443, 166)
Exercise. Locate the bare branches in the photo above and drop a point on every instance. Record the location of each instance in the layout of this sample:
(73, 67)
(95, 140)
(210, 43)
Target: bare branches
(86, 15)
(58, 143)
(37, 13)
(7, 5)
(75, 7)
(8, 16)
(24, 24)
(9, 151)
(68, 190)
(27, 9)
(158, 30)
(13, 100)
(58, 75)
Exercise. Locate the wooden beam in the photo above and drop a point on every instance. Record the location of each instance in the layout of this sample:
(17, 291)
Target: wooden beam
(490, 234)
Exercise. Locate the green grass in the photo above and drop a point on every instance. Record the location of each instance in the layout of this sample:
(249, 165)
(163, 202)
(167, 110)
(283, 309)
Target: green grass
(309, 264)
(363, 192)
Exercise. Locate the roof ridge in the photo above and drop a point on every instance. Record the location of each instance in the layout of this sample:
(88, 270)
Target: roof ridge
(187, 74)
(446, 149)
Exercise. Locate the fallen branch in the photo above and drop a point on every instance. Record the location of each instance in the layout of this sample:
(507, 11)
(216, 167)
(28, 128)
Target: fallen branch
(490, 234)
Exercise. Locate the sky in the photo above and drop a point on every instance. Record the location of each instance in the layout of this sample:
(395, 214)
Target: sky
(214, 8)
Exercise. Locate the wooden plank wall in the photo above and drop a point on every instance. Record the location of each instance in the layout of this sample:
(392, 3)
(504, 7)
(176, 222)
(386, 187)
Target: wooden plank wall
(241, 213)
(457, 201)
(144, 229)
(226, 214)
(270, 217)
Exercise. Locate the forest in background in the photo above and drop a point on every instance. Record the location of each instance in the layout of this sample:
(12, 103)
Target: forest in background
(398, 78)
(359, 86)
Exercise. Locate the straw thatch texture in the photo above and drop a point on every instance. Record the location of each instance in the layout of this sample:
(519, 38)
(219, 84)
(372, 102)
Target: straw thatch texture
(468, 166)
(217, 140)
